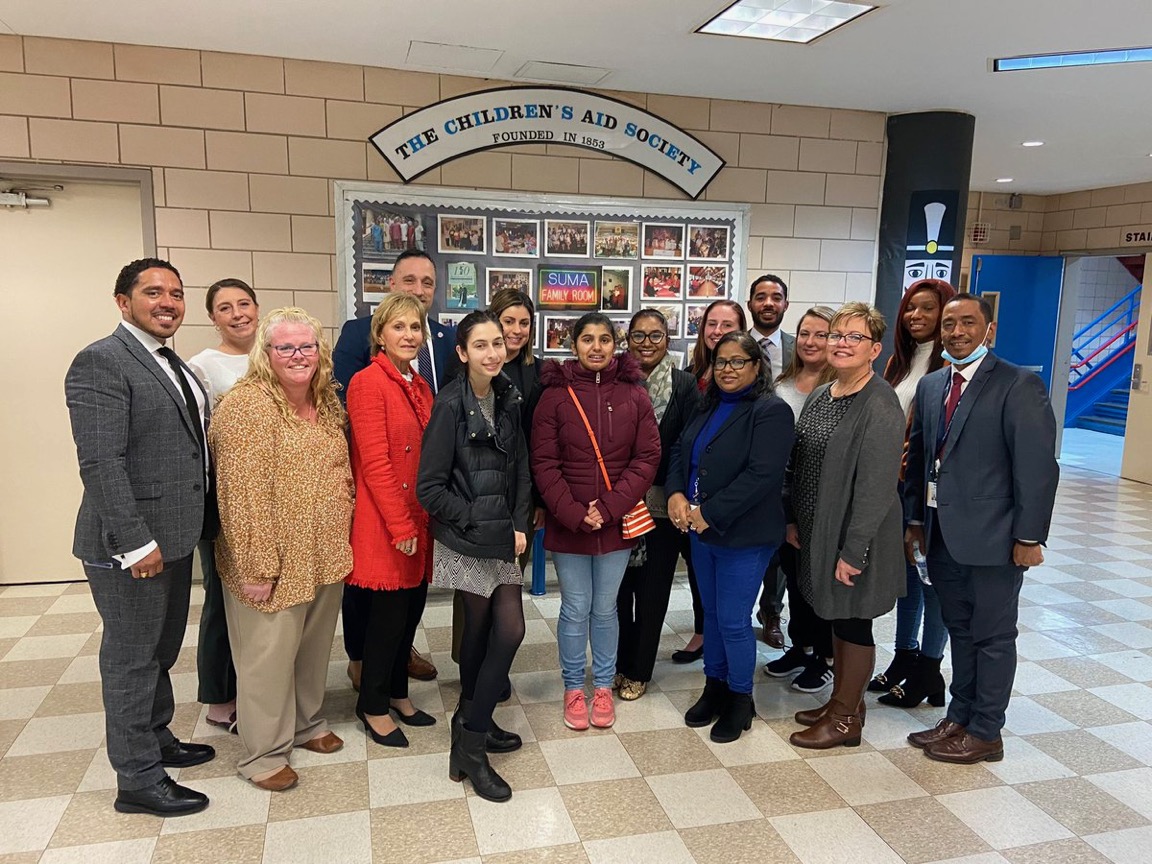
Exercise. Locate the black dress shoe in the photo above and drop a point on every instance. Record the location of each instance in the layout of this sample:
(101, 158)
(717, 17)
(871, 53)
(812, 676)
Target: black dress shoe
(416, 718)
(686, 656)
(395, 738)
(166, 798)
(184, 754)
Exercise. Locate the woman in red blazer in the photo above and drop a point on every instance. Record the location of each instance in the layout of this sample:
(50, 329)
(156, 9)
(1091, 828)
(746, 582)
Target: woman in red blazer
(388, 409)
(582, 520)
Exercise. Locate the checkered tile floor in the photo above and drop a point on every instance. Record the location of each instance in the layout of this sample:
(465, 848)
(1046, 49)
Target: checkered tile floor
(1075, 786)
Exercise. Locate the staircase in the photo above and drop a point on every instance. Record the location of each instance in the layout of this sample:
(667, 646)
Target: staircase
(1102, 355)
(1109, 415)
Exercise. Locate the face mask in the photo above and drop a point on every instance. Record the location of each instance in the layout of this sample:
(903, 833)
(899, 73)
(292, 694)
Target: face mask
(971, 358)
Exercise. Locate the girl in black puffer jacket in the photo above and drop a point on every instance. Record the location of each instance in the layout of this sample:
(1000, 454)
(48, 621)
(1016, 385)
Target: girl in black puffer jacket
(473, 481)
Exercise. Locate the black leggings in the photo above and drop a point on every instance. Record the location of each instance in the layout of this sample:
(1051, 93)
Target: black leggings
(392, 622)
(493, 630)
(858, 631)
(643, 602)
(806, 629)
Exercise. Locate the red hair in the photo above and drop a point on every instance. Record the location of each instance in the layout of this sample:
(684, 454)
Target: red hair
(903, 345)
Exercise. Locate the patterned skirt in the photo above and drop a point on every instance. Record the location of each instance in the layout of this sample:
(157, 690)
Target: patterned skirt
(480, 576)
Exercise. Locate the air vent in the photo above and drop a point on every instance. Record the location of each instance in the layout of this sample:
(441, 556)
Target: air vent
(463, 59)
(561, 73)
(980, 232)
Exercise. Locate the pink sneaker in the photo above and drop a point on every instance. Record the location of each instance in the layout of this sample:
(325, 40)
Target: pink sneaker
(603, 711)
(575, 710)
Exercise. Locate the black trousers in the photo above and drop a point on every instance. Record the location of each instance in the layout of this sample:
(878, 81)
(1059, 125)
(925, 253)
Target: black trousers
(217, 675)
(806, 629)
(355, 607)
(772, 593)
(144, 621)
(643, 602)
(392, 622)
(979, 606)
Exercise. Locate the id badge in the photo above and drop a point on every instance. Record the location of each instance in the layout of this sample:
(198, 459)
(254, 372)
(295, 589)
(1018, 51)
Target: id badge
(931, 500)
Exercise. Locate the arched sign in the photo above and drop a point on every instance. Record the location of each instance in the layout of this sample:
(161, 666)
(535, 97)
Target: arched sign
(506, 116)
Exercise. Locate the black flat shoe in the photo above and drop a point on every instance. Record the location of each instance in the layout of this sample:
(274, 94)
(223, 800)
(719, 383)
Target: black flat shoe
(166, 798)
(395, 738)
(184, 754)
(686, 656)
(417, 718)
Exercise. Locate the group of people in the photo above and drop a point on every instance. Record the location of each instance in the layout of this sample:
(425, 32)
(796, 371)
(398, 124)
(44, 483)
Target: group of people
(316, 480)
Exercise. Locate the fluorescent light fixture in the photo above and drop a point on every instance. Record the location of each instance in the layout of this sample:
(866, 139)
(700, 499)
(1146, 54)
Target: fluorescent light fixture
(1073, 58)
(1032, 144)
(784, 20)
(1004, 179)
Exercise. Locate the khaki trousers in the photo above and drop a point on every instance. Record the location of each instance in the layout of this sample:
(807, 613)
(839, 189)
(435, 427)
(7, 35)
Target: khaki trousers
(281, 663)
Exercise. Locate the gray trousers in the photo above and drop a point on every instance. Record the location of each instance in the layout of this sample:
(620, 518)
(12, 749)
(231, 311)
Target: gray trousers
(144, 621)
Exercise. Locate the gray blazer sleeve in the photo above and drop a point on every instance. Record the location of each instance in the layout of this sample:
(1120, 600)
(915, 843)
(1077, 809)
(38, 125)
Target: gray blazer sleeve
(99, 404)
(1030, 431)
(876, 475)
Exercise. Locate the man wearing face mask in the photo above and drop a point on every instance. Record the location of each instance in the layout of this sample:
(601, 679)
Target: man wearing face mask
(980, 486)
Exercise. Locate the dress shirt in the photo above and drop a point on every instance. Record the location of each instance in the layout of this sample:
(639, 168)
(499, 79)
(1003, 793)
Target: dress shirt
(773, 350)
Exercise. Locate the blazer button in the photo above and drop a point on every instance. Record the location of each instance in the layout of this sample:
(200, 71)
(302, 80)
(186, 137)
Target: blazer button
(473, 434)
(196, 454)
(703, 472)
(470, 413)
(407, 448)
(195, 487)
(403, 485)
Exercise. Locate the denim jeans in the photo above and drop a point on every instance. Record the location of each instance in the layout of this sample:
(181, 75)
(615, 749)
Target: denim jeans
(588, 588)
(729, 581)
(921, 600)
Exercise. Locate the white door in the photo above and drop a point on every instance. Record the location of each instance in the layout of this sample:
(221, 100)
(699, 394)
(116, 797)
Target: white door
(57, 270)
(1137, 464)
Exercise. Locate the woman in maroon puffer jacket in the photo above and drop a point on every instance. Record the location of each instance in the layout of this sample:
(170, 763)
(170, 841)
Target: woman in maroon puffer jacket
(582, 527)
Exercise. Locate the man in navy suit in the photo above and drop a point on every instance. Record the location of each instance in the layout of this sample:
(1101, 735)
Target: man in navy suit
(413, 273)
(981, 484)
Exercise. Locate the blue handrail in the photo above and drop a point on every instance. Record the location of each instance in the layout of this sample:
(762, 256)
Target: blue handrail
(1128, 300)
(1121, 314)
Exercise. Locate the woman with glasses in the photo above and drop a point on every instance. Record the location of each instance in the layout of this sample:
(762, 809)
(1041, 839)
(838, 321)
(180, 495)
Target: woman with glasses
(285, 494)
(388, 409)
(809, 660)
(725, 475)
(643, 599)
(846, 516)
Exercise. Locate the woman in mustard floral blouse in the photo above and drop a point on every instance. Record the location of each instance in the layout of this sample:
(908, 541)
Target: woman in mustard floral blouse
(285, 492)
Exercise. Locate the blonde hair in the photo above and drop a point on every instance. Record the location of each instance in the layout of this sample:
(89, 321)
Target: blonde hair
(872, 317)
(392, 307)
(329, 411)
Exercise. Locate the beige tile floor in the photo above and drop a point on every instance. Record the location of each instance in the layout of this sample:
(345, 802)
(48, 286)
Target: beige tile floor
(1075, 787)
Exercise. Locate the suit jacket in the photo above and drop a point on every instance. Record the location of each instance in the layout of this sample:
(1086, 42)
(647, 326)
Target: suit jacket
(998, 471)
(353, 351)
(140, 460)
(787, 348)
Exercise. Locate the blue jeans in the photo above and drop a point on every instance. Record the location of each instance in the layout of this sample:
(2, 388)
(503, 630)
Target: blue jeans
(920, 600)
(729, 581)
(588, 588)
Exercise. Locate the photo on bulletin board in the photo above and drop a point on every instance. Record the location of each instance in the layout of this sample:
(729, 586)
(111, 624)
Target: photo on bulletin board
(451, 319)
(620, 326)
(572, 288)
(499, 278)
(557, 333)
(707, 280)
(693, 318)
(516, 238)
(662, 282)
(663, 240)
(674, 315)
(462, 290)
(616, 289)
(388, 232)
(565, 238)
(708, 242)
(616, 240)
(462, 234)
(378, 278)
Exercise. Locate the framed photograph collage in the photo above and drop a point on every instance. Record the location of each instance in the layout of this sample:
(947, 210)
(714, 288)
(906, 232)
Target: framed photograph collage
(570, 255)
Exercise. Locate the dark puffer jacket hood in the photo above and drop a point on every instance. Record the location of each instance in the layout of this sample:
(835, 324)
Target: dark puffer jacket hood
(623, 368)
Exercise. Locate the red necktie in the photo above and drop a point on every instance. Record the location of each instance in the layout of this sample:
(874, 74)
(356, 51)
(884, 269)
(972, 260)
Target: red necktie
(953, 398)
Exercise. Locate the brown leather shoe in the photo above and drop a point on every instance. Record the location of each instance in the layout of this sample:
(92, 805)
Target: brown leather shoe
(283, 779)
(420, 667)
(771, 634)
(965, 749)
(327, 743)
(941, 731)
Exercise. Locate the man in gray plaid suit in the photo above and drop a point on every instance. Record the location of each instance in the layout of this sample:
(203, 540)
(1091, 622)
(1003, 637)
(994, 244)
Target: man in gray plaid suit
(138, 418)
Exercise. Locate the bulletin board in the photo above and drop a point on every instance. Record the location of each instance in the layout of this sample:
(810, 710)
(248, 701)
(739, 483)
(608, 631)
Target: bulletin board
(570, 254)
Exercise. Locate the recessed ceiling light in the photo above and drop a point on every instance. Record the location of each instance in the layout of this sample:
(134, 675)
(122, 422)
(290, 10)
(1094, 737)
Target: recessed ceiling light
(1032, 144)
(784, 20)
(1072, 58)
(1003, 179)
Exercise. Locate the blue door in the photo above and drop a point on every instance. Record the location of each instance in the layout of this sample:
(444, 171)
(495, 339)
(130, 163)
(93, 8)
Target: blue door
(1025, 292)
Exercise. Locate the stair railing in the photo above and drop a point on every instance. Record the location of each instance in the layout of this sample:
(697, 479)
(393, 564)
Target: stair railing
(1086, 366)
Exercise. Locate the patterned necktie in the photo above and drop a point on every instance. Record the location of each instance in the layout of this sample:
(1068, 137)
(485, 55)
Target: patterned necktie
(424, 366)
(953, 398)
(766, 347)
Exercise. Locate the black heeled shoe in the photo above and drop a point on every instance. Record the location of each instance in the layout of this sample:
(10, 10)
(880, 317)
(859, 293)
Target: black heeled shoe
(711, 704)
(903, 662)
(925, 682)
(416, 718)
(734, 719)
(686, 656)
(395, 738)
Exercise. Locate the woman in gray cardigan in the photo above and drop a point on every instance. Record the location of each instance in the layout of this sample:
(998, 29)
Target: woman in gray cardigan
(846, 516)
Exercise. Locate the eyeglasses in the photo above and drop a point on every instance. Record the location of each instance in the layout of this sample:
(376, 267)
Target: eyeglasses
(733, 363)
(654, 336)
(308, 349)
(852, 339)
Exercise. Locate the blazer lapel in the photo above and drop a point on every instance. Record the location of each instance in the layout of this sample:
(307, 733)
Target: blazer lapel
(933, 411)
(741, 409)
(967, 401)
(140, 353)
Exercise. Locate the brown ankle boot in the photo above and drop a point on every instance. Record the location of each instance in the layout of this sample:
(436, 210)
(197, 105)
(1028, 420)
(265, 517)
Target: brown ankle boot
(812, 716)
(840, 722)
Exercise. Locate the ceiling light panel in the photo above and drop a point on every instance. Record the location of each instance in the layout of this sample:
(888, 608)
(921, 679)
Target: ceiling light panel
(784, 20)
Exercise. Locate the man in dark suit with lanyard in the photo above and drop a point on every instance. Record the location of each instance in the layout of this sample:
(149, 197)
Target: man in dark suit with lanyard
(981, 484)
(138, 418)
(413, 273)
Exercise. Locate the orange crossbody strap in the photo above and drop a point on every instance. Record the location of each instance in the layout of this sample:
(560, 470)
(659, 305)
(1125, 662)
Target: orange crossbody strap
(592, 435)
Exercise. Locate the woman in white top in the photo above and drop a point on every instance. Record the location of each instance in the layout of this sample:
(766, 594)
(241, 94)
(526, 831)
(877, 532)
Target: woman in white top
(914, 674)
(233, 310)
(809, 660)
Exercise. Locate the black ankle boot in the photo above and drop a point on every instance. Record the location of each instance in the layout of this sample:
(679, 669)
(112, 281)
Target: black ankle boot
(734, 719)
(710, 705)
(924, 682)
(903, 662)
(468, 759)
(498, 740)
